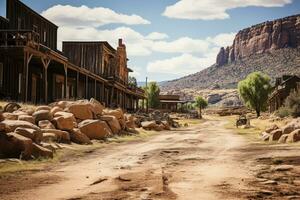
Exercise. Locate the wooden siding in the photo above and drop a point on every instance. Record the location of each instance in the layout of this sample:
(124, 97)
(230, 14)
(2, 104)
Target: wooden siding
(22, 17)
(86, 55)
(3, 23)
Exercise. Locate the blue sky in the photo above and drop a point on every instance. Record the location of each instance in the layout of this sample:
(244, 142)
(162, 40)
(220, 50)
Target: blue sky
(165, 39)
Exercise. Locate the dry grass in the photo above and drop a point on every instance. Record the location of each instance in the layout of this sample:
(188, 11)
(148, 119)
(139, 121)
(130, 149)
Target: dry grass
(190, 122)
(23, 105)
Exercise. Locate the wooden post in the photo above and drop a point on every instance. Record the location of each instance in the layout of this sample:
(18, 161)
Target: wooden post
(66, 81)
(112, 95)
(95, 92)
(86, 86)
(77, 85)
(46, 63)
(27, 60)
(137, 103)
(103, 98)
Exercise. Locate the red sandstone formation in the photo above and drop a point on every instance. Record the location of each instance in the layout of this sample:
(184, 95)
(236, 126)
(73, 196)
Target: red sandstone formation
(260, 38)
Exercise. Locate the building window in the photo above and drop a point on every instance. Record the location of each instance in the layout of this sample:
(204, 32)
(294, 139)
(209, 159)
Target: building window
(45, 36)
(19, 23)
(35, 28)
(1, 75)
(20, 83)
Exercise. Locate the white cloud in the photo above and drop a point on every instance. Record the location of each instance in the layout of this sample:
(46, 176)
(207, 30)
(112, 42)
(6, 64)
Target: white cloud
(83, 16)
(136, 72)
(223, 39)
(135, 42)
(214, 9)
(140, 45)
(182, 45)
(157, 36)
(188, 63)
(182, 65)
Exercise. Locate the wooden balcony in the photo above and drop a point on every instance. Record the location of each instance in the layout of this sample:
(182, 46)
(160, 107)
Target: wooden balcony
(18, 38)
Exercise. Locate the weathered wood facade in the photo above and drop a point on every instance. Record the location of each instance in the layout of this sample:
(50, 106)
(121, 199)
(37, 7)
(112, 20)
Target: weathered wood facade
(33, 70)
(283, 87)
(170, 103)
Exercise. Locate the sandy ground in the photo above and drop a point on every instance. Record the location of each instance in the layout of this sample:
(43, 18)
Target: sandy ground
(205, 161)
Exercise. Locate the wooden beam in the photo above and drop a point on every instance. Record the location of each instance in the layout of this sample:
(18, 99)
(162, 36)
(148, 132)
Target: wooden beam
(86, 86)
(95, 94)
(66, 80)
(46, 83)
(77, 84)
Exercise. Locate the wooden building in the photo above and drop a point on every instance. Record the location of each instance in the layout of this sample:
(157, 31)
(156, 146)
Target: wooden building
(171, 103)
(283, 87)
(33, 70)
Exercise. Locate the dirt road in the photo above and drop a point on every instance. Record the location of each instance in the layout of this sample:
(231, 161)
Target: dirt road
(205, 161)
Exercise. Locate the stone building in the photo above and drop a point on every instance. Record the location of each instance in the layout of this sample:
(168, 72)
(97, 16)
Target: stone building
(33, 70)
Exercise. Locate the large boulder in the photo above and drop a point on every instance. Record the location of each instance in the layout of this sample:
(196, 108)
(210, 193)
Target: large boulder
(265, 136)
(11, 125)
(63, 104)
(130, 121)
(294, 136)
(26, 118)
(148, 125)
(39, 151)
(78, 137)
(275, 135)
(94, 129)
(42, 115)
(10, 116)
(271, 128)
(49, 137)
(19, 112)
(64, 121)
(290, 127)
(48, 108)
(81, 111)
(97, 107)
(283, 138)
(34, 135)
(166, 125)
(62, 136)
(46, 124)
(55, 109)
(27, 110)
(112, 122)
(118, 113)
(22, 145)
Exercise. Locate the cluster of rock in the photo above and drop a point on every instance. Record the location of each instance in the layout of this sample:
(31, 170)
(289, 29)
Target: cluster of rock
(270, 35)
(31, 133)
(286, 134)
(156, 121)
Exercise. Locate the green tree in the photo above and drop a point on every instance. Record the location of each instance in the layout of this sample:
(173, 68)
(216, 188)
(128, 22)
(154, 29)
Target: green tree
(200, 103)
(132, 81)
(255, 90)
(152, 92)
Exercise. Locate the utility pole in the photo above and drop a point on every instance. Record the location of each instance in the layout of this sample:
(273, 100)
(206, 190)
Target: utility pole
(147, 103)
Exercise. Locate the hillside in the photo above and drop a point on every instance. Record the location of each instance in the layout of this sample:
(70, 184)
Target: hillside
(272, 47)
(275, 63)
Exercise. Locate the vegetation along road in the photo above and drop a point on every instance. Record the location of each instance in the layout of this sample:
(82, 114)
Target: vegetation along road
(203, 161)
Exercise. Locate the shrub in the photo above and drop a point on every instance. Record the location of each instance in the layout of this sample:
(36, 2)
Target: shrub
(283, 112)
(292, 102)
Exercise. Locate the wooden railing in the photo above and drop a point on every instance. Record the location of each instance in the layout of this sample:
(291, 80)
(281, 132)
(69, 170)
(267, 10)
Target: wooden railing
(19, 38)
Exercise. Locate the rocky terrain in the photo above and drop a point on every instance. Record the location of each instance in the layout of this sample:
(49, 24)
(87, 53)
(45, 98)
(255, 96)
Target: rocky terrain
(29, 133)
(272, 47)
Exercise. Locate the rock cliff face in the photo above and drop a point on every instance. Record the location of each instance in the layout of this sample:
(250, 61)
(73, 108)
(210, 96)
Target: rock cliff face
(261, 38)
